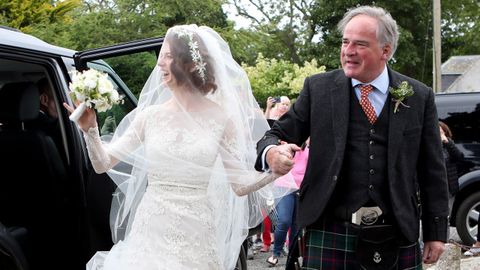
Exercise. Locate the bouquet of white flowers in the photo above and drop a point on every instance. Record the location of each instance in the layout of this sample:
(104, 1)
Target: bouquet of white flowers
(92, 89)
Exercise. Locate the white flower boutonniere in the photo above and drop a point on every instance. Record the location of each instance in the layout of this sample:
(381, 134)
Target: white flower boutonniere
(399, 94)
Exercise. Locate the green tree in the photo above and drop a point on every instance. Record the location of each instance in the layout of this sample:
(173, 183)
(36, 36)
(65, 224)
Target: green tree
(413, 56)
(286, 26)
(272, 77)
(99, 23)
(460, 28)
(245, 45)
(317, 36)
(25, 14)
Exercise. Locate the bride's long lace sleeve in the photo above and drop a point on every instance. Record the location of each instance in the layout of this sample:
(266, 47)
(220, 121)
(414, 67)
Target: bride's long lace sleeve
(240, 177)
(105, 156)
(101, 160)
(261, 181)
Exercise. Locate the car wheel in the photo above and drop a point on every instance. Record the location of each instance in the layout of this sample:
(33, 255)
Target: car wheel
(242, 260)
(467, 218)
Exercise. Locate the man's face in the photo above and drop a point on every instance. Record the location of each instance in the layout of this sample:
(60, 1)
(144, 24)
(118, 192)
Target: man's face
(47, 105)
(362, 56)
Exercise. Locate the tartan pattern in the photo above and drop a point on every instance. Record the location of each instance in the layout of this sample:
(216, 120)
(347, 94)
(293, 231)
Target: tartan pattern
(333, 247)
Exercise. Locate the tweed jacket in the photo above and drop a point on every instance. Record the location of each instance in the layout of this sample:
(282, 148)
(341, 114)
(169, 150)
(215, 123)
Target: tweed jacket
(415, 167)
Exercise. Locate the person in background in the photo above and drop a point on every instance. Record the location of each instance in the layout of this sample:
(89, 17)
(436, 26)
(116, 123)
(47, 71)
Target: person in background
(47, 120)
(48, 116)
(287, 205)
(359, 202)
(276, 107)
(452, 156)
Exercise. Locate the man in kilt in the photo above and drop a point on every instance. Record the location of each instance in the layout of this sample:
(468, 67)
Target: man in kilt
(375, 163)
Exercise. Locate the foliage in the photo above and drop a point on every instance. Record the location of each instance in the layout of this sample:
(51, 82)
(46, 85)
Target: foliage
(286, 25)
(294, 80)
(411, 57)
(291, 31)
(460, 28)
(246, 44)
(318, 38)
(100, 23)
(25, 14)
(272, 77)
(134, 69)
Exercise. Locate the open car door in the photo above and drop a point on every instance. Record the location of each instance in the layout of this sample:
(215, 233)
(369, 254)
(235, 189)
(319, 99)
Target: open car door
(143, 45)
(121, 62)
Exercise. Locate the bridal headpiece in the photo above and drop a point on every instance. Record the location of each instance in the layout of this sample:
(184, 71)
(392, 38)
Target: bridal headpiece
(215, 106)
(200, 65)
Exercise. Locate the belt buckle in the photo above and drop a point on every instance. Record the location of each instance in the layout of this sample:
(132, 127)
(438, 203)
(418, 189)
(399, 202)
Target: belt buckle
(366, 215)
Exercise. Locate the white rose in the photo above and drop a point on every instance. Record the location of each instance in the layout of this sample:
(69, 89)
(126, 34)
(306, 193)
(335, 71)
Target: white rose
(79, 86)
(105, 86)
(102, 106)
(114, 96)
(90, 83)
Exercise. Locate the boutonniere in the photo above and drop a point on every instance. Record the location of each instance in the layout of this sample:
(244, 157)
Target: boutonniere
(399, 94)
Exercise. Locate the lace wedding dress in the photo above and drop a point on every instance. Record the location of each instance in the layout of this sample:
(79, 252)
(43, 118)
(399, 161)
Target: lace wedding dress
(190, 144)
(173, 227)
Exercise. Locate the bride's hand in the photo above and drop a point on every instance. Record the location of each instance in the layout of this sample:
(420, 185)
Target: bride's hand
(87, 120)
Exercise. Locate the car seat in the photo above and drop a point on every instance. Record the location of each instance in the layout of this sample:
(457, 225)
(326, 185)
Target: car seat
(11, 252)
(33, 181)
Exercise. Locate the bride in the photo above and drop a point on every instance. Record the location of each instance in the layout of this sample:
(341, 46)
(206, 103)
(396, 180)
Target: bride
(190, 147)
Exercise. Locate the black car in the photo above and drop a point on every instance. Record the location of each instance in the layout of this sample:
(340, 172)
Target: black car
(461, 112)
(54, 209)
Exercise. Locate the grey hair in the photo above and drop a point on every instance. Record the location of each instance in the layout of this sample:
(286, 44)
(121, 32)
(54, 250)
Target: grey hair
(387, 32)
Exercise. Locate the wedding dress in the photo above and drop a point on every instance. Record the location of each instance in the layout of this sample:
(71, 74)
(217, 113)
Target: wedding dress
(183, 203)
(174, 218)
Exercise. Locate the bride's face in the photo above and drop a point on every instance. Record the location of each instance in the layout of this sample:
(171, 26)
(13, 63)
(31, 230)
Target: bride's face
(165, 63)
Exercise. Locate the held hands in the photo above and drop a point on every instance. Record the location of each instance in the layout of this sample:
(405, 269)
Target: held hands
(280, 158)
(87, 120)
(432, 251)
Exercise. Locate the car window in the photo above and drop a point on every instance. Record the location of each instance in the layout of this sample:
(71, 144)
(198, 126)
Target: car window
(128, 74)
(15, 71)
(461, 112)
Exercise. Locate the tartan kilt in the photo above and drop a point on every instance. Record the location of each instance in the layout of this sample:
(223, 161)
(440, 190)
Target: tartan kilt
(332, 246)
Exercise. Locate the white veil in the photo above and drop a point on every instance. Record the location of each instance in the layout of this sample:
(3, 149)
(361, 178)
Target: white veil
(211, 88)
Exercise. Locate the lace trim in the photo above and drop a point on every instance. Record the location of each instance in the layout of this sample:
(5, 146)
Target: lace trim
(96, 152)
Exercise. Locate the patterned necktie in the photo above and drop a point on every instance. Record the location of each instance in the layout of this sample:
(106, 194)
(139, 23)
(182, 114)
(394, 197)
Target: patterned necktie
(367, 106)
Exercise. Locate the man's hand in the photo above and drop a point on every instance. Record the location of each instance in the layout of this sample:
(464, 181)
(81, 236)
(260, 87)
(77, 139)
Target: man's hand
(432, 251)
(280, 158)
